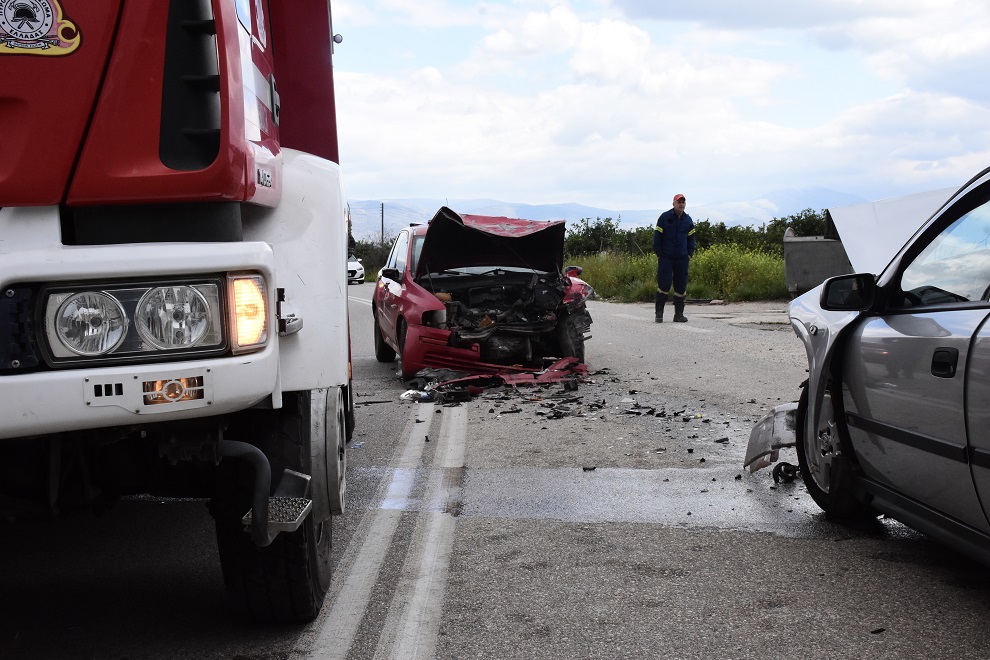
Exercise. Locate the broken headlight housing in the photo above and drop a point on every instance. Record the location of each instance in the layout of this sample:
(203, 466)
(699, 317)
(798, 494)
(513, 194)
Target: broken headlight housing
(154, 320)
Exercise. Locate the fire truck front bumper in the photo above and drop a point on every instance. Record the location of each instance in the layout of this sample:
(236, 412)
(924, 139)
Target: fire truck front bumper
(53, 402)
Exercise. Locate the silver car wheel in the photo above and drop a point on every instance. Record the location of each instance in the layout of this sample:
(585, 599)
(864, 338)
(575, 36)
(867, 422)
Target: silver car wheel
(821, 450)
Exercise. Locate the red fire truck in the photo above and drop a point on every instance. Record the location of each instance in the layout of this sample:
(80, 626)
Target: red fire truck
(173, 283)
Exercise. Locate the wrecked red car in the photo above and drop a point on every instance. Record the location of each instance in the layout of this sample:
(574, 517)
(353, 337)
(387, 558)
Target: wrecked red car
(479, 294)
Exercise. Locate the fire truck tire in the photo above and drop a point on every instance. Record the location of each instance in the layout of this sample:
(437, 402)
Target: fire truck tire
(336, 450)
(286, 581)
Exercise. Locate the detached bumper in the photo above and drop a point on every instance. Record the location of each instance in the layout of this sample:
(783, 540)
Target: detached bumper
(776, 430)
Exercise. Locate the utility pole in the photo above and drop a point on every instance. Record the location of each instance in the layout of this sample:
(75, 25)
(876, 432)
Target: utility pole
(383, 224)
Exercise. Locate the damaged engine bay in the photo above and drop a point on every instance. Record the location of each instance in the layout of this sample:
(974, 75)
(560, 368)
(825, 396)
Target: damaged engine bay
(515, 316)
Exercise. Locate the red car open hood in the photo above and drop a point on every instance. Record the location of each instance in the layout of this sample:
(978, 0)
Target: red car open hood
(454, 241)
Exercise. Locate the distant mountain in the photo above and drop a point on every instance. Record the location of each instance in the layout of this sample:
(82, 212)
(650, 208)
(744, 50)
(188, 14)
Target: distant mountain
(370, 217)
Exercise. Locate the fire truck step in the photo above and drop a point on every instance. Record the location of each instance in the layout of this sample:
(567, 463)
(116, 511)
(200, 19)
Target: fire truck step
(285, 514)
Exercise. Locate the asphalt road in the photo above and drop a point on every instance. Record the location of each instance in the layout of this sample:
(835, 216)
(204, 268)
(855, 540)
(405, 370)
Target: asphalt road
(610, 522)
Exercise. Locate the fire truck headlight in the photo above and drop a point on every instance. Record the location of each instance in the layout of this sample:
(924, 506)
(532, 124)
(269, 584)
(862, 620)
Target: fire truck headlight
(173, 317)
(90, 323)
(129, 321)
(249, 312)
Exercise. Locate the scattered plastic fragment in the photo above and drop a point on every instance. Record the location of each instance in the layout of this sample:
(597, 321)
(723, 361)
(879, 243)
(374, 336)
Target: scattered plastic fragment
(785, 472)
(417, 395)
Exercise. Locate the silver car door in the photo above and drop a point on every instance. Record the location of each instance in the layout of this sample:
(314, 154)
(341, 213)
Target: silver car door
(904, 391)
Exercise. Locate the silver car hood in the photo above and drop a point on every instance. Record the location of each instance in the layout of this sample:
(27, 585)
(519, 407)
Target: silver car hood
(873, 233)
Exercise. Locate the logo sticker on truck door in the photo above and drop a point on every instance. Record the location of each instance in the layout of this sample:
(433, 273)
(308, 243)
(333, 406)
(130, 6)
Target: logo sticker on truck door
(36, 27)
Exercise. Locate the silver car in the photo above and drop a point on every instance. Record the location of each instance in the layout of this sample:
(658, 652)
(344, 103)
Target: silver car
(895, 415)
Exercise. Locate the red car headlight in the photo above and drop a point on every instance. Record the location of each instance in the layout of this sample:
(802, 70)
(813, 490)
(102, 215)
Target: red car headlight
(436, 318)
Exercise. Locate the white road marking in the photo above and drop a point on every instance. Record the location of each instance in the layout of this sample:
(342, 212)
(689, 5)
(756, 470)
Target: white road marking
(360, 300)
(357, 572)
(413, 621)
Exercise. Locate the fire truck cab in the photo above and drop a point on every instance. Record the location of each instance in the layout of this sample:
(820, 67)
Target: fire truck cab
(173, 275)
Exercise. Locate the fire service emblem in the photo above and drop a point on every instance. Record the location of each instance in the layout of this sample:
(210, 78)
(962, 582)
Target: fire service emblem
(36, 27)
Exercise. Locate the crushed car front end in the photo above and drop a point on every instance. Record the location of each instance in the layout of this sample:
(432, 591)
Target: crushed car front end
(490, 295)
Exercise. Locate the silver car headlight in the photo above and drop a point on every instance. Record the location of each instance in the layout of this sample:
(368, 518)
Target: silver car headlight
(129, 321)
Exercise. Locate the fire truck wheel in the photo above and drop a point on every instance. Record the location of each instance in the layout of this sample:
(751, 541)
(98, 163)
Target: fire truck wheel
(336, 451)
(286, 581)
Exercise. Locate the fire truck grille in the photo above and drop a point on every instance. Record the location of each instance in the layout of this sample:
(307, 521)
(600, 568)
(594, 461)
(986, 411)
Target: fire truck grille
(190, 119)
(18, 352)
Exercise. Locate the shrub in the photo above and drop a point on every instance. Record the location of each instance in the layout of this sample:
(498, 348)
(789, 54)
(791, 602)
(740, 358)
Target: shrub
(729, 272)
(734, 273)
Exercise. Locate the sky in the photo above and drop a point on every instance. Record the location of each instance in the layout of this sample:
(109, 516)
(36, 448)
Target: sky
(623, 103)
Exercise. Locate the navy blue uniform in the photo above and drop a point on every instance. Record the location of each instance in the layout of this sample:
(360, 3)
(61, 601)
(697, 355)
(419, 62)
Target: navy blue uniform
(673, 243)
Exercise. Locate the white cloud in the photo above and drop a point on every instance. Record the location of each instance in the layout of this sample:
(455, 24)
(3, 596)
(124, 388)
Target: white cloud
(562, 101)
(352, 13)
(553, 31)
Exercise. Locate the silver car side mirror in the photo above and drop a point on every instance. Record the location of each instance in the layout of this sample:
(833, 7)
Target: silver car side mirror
(853, 293)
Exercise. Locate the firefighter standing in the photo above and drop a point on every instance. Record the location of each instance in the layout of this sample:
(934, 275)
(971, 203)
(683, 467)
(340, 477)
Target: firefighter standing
(673, 243)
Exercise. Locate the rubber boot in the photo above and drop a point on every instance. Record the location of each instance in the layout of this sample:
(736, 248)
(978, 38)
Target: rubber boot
(679, 311)
(661, 300)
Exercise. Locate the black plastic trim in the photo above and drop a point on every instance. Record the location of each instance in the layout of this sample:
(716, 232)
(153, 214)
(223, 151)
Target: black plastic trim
(979, 457)
(152, 223)
(190, 124)
(950, 450)
(968, 540)
(18, 348)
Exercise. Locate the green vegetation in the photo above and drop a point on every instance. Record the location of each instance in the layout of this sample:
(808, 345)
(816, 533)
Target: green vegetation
(731, 263)
(373, 255)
